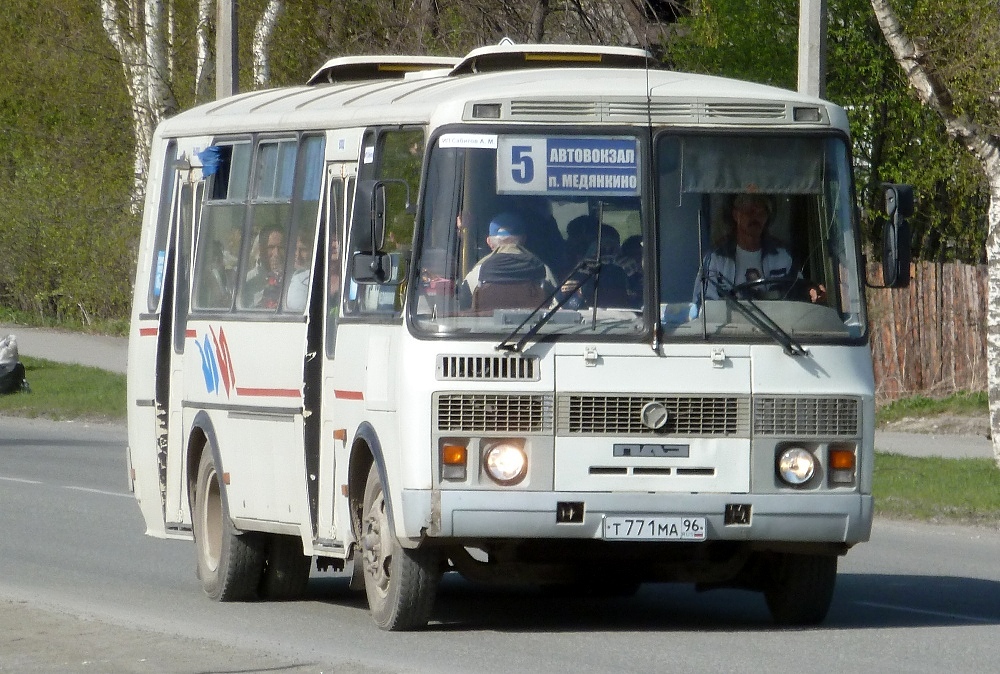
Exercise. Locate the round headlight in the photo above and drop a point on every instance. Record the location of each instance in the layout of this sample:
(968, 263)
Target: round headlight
(506, 463)
(796, 466)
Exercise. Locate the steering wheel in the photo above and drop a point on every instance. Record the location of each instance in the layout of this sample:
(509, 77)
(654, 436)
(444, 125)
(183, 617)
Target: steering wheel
(773, 288)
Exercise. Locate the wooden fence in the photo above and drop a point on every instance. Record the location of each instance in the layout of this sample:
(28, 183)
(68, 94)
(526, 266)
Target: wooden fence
(930, 338)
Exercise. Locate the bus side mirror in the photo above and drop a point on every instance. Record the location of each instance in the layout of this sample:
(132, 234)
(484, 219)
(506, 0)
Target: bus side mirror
(368, 268)
(369, 215)
(896, 235)
(378, 268)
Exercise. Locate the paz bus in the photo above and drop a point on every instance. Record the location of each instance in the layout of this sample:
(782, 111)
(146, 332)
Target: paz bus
(313, 378)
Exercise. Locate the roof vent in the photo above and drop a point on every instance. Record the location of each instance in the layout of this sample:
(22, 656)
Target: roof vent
(510, 56)
(361, 68)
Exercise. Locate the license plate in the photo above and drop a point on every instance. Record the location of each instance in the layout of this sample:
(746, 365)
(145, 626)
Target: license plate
(653, 528)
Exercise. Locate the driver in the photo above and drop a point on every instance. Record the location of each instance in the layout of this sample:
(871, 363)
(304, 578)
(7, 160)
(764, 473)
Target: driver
(748, 254)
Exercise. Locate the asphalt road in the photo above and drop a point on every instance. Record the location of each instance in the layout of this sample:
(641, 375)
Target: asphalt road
(81, 589)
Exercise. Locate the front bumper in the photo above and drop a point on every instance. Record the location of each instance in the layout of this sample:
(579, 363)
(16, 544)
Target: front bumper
(820, 518)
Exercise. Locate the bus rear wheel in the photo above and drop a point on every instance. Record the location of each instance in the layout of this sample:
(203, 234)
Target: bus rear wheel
(400, 583)
(286, 573)
(230, 563)
(799, 588)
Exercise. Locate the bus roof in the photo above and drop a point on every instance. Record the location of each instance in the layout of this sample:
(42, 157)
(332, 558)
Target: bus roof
(531, 84)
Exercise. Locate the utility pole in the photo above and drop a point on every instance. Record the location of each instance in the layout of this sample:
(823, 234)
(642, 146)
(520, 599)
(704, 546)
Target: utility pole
(812, 47)
(227, 65)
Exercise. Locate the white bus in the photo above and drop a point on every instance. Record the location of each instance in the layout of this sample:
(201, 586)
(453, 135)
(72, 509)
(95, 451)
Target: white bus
(623, 391)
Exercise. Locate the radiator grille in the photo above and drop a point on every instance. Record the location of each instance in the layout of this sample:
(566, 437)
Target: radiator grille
(806, 416)
(487, 368)
(621, 415)
(494, 413)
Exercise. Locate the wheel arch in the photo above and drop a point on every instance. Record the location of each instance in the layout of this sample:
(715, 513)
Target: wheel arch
(202, 435)
(366, 449)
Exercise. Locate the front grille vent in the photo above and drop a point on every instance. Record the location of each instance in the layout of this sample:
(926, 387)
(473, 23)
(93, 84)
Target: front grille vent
(487, 368)
(494, 413)
(710, 416)
(781, 416)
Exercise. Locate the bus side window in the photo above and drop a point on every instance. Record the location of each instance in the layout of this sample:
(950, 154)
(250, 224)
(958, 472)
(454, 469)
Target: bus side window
(158, 268)
(221, 230)
(266, 253)
(399, 158)
(334, 263)
(308, 184)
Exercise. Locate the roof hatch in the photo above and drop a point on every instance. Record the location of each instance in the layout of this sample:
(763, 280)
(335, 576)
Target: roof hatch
(360, 68)
(510, 56)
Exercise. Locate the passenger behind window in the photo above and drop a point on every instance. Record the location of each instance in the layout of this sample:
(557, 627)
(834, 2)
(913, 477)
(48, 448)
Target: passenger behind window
(215, 287)
(581, 233)
(298, 282)
(510, 275)
(264, 282)
(612, 283)
(630, 260)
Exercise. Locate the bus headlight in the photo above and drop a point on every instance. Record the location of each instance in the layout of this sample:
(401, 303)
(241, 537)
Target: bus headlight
(505, 462)
(796, 466)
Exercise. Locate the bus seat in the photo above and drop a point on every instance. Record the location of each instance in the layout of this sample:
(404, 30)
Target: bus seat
(491, 296)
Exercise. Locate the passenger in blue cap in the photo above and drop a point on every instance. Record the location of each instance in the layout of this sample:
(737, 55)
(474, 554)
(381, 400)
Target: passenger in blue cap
(508, 262)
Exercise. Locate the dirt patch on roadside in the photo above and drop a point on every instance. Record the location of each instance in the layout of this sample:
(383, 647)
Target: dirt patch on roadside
(941, 423)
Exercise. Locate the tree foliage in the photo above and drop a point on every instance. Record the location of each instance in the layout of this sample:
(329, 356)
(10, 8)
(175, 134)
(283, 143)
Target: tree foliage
(895, 138)
(66, 234)
(69, 142)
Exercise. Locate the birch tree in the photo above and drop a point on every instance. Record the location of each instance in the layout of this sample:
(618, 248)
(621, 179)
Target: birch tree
(136, 29)
(262, 36)
(934, 82)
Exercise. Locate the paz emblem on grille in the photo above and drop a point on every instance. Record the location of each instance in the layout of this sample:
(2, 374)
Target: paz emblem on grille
(654, 415)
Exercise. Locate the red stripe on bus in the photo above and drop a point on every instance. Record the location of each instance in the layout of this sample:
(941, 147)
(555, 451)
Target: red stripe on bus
(148, 332)
(269, 392)
(349, 395)
(190, 334)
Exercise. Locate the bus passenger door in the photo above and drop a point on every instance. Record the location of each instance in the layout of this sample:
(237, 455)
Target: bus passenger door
(171, 349)
(332, 529)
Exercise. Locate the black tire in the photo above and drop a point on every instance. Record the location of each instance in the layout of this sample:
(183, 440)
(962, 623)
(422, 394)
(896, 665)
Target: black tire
(286, 572)
(230, 563)
(799, 588)
(400, 583)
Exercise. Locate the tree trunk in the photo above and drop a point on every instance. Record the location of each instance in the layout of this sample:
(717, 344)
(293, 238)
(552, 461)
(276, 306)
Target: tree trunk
(204, 84)
(262, 35)
(935, 94)
(142, 46)
(538, 16)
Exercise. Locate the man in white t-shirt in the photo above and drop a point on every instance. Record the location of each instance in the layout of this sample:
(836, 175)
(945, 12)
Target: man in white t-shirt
(747, 254)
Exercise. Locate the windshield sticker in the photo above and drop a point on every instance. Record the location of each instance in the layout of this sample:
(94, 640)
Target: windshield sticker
(568, 165)
(468, 140)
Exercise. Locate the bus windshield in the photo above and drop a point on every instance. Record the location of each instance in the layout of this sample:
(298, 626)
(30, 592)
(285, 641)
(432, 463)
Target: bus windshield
(555, 224)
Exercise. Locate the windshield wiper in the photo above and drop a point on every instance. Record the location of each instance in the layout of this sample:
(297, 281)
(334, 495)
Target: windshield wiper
(765, 323)
(589, 269)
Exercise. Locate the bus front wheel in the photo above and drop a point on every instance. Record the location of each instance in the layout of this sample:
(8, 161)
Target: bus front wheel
(799, 588)
(230, 563)
(400, 583)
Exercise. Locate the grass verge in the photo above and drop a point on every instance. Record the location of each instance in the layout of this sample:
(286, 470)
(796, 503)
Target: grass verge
(936, 489)
(958, 404)
(116, 327)
(66, 391)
